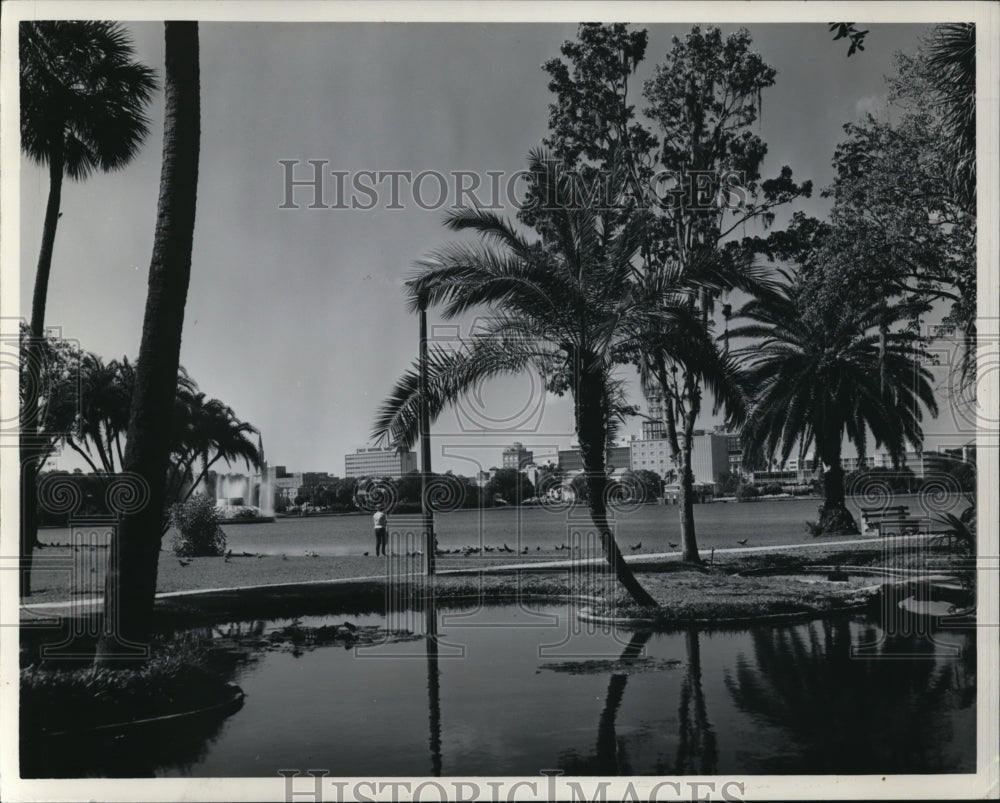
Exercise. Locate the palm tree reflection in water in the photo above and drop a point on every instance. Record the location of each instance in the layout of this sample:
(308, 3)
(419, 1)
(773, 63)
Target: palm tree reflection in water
(696, 748)
(843, 714)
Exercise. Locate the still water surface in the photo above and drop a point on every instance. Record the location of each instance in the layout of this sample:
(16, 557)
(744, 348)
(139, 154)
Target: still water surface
(514, 690)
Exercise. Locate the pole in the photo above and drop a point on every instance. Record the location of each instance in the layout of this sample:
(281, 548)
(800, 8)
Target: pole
(425, 447)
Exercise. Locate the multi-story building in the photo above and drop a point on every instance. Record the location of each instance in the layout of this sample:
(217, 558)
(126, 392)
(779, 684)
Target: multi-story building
(654, 427)
(517, 457)
(571, 462)
(378, 462)
(710, 456)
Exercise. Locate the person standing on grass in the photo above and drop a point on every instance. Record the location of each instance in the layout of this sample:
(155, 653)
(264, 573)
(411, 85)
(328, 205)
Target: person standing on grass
(381, 531)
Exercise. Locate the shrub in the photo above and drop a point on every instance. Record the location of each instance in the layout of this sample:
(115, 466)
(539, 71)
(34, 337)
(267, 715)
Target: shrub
(177, 679)
(198, 531)
(746, 492)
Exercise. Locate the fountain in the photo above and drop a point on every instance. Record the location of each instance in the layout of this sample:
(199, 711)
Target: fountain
(238, 491)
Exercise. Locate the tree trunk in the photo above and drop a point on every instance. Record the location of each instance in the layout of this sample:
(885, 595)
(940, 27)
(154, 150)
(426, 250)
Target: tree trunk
(592, 432)
(686, 503)
(28, 443)
(835, 518)
(689, 538)
(40, 297)
(131, 581)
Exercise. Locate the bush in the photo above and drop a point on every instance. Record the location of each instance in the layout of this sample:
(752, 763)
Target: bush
(747, 492)
(173, 680)
(773, 489)
(198, 531)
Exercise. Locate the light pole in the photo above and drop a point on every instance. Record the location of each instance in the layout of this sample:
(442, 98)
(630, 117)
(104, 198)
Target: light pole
(425, 442)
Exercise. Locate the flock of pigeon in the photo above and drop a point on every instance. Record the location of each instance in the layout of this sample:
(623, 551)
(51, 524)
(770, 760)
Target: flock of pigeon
(465, 551)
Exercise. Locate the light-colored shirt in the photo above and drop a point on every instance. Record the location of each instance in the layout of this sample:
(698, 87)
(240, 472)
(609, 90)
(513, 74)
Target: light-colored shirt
(379, 518)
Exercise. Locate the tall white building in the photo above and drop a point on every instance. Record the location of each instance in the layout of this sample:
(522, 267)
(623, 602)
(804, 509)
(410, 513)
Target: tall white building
(376, 462)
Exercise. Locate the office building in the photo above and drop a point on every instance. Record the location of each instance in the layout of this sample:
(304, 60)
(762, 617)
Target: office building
(517, 457)
(377, 462)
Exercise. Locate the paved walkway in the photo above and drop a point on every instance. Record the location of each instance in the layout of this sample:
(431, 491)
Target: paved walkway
(94, 604)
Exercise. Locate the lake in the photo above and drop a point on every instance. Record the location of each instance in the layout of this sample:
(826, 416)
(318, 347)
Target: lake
(519, 689)
(655, 527)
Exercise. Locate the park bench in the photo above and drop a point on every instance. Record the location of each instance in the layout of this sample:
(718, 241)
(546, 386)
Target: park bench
(884, 521)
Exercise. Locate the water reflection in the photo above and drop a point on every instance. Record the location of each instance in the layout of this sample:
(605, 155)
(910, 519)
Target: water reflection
(433, 688)
(865, 714)
(783, 700)
(696, 747)
(610, 756)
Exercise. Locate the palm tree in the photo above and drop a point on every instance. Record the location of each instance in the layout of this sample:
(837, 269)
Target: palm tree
(82, 101)
(820, 374)
(82, 109)
(209, 431)
(131, 581)
(951, 59)
(569, 308)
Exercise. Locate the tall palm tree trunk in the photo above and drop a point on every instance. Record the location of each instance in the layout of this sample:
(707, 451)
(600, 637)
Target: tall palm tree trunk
(593, 436)
(38, 300)
(28, 443)
(835, 518)
(131, 581)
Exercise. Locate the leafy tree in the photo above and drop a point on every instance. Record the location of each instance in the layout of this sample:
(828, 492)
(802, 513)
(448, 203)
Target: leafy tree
(904, 218)
(728, 483)
(510, 485)
(650, 483)
(823, 372)
(705, 97)
(131, 583)
(849, 31)
(82, 109)
(693, 187)
(409, 487)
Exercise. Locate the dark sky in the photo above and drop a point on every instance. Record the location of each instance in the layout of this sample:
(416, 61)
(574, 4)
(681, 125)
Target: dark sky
(295, 318)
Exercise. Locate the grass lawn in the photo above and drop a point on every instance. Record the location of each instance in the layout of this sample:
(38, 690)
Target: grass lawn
(719, 591)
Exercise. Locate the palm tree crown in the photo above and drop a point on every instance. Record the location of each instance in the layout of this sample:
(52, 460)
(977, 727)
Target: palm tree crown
(820, 375)
(83, 95)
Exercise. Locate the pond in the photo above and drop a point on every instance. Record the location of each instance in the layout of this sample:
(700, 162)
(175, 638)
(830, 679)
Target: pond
(520, 688)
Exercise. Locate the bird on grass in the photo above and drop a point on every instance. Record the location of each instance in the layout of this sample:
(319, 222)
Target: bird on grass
(366, 554)
(635, 547)
(672, 544)
(743, 541)
(184, 562)
(524, 551)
